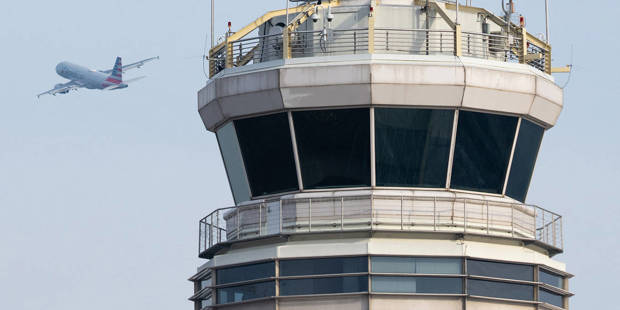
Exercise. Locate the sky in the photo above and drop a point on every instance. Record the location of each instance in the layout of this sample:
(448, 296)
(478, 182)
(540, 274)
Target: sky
(101, 192)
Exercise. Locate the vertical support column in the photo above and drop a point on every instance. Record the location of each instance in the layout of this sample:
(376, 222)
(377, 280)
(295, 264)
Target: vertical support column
(455, 125)
(291, 125)
(512, 155)
(371, 27)
(458, 41)
(277, 283)
(373, 158)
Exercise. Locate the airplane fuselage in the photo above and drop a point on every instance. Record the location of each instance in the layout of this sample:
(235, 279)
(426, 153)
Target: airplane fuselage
(90, 79)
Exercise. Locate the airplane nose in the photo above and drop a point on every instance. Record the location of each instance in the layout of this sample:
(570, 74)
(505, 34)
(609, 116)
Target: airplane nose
(59, 68)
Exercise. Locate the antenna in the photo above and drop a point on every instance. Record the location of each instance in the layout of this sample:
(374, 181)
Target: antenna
(547, 20)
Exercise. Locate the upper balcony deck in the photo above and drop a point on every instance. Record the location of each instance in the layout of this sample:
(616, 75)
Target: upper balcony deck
(381, 211)
(379, 29)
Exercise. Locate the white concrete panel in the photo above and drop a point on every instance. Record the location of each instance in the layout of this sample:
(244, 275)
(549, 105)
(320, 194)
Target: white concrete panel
(206, 94)
(479, 304)
(259, 305)
(545, 111)
(393, 302)
(327, 247)
(497, 100)
(211, 115)
(508, 252)
(326, 96)
(251, 103)
(247, 83)
(418, 74)
(549, 91)
(417, 95)
(244, 255)
(414, 247)
(325, 303)
(325, 75)
(503, 80)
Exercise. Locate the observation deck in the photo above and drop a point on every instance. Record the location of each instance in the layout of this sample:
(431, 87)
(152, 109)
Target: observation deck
(377, 211)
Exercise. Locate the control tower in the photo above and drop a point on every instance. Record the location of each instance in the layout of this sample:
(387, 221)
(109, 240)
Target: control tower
(380, 155)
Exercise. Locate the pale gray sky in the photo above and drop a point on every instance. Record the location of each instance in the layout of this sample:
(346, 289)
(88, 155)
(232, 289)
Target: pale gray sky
(101, 192)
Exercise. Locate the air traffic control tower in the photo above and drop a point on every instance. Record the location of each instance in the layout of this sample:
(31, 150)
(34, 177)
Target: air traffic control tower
(380, 154)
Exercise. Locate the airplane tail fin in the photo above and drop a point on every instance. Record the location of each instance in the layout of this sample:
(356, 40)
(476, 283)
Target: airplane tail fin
(117, 72)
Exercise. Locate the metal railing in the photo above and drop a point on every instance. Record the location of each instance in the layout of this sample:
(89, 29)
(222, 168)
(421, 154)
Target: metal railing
(414, 41)
(381, 213)
(329, 42)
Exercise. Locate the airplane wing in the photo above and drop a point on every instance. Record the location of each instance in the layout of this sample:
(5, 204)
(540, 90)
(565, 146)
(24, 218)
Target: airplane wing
(61, 89)
(134, 65)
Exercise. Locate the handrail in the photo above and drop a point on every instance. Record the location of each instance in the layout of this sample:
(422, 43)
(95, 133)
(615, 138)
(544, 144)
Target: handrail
(382, 213)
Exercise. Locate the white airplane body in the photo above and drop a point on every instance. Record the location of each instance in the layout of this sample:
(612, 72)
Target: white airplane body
(82, 77)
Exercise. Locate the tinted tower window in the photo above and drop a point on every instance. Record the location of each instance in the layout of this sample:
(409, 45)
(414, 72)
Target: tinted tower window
(483, 147)
(412, 146)
(334, 147)
(268, 153)
(528, 144)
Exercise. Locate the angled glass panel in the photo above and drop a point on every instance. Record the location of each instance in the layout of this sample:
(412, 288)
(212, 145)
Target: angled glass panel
(314, 286)
(412, 146)
(500, 289)
(524, 160)
(500, 270)
(246, 273)
(483, 146)
(268, 153)
(246, 292)
(334, 147)
(300, 267)
(231, 153)
(551, 298)
(417, 285)
(551, 279)
(420, 265)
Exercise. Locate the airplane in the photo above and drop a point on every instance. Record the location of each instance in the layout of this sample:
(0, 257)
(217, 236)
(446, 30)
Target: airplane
(82, 77)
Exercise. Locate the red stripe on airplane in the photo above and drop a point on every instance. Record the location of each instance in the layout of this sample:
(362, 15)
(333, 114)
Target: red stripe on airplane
(115, 81)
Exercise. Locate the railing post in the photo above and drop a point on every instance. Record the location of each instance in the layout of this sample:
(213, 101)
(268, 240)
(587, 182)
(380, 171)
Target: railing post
(512, 219)
(371, 28)
(434, 213)
(562, 232)
(341, 213)
(286, 43)
(372, 211)
(229, 54)
(211, 231)
(488, 226)
(310, 214)
(458, 41)
(465, 216)
(401, 213)
(238, 223)
(522, 57)
(260, 219)
(217, 224)
(280, 215)
(554, 231)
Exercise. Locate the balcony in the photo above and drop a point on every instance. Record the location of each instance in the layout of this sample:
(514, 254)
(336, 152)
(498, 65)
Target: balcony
(381, 213)
(498, 42)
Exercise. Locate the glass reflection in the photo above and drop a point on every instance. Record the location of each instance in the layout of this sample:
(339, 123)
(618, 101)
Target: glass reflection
(267, 152)
(483, 146)
(412, 146)
(526, 152)
(334, 147)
